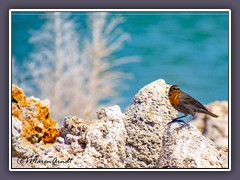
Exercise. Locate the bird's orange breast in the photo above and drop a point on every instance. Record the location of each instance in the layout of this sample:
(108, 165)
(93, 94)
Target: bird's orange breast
(174, 98)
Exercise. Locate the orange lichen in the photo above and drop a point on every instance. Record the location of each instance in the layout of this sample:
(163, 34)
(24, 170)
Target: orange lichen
(37, 124)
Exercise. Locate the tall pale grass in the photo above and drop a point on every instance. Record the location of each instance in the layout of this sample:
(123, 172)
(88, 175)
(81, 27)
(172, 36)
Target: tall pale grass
(73, 69)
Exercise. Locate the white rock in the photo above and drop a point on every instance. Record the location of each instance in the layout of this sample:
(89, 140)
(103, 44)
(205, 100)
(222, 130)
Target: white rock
(145, 120)
(185, 147)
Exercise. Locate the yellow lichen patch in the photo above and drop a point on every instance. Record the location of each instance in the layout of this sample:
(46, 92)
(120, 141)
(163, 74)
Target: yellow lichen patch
(50, 135)
(18, 95)
(37, 124)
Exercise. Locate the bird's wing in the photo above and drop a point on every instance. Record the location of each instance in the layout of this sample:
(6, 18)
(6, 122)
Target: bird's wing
(187, 99)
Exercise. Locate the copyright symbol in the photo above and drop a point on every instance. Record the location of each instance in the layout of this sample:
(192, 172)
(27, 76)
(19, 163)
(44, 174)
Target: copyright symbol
(20, 160)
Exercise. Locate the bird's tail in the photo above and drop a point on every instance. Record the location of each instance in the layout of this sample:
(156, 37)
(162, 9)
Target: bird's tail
(211, 114)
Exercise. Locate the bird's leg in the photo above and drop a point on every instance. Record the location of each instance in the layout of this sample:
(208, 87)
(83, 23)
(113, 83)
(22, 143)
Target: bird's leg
(186, 123)
(177, 119)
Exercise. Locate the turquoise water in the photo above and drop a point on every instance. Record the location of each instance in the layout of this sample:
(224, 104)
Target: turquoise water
(187, 49)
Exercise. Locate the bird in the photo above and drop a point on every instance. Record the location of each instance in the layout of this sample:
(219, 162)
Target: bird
(185, 103)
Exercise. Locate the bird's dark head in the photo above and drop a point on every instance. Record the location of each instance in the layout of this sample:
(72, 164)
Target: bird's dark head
(174, 89)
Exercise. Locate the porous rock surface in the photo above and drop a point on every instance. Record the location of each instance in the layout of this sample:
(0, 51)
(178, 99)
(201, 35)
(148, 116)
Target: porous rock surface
(93, 144)
(34, 114)
(145, 120)
(185, 147)
(102, 141)
(215, 129)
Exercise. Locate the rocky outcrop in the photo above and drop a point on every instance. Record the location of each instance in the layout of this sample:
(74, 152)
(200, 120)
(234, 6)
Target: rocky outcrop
(139, 138)
(215, 129)
(145, 121)
(185, 147)
(31, 124)
(93, 144)
(37, 124)
(102, 141)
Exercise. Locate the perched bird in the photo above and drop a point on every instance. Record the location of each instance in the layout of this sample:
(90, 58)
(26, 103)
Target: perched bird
(186, 104)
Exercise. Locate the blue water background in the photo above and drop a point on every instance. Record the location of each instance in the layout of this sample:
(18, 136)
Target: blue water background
(189, 49)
